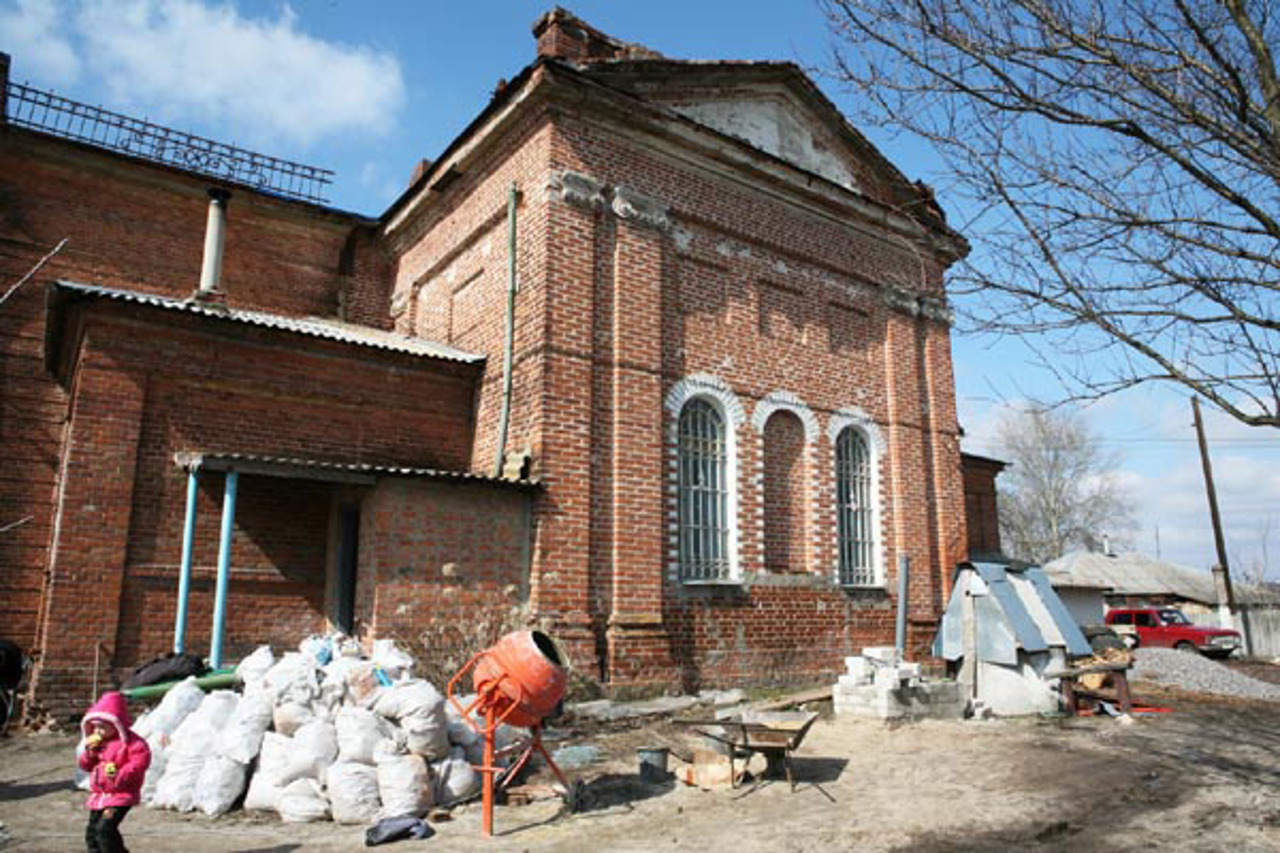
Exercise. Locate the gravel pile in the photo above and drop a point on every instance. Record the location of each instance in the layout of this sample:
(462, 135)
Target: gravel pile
(1199, 674)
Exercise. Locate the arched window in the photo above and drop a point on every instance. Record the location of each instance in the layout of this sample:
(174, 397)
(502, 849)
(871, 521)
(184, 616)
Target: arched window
(855, 509)
(703, 495)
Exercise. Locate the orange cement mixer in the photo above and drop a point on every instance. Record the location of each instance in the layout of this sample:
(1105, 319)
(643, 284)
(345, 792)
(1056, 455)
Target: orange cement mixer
(520, 681)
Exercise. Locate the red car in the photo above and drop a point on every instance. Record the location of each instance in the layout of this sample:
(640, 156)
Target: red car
(1168, 627)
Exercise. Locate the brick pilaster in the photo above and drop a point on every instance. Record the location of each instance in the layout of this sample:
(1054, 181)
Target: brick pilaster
(94, 506)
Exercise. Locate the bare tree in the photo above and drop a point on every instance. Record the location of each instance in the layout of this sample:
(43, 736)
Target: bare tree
(1121, 162)
(1058, 493)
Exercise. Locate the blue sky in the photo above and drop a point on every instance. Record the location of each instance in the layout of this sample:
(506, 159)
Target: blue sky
(369, 88)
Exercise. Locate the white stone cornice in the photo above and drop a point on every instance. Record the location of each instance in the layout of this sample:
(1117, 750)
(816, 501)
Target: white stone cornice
(640, 209)
(901, 300)
(576, 189)
(936, 309)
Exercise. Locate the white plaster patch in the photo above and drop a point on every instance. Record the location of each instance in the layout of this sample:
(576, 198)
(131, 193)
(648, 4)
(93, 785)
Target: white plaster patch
(775, 127)
(682, 237)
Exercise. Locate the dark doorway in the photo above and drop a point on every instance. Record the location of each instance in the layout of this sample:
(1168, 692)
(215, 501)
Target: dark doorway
(348, 557)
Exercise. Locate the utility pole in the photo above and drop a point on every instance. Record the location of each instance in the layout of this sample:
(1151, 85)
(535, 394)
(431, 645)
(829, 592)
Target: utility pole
(1218, 539)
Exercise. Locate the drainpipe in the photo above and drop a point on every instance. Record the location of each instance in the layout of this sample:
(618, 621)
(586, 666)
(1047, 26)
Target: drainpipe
(184, 578)
(214, 235)
(224, 568)
(900, 628)
(513, 196)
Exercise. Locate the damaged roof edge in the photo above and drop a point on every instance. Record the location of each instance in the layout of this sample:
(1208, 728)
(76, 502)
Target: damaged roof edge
(510, 96)
(355, 473)
(61, 293)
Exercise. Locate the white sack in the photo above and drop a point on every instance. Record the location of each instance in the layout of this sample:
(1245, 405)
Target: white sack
(293, 679)
(79, 778)
(288, 717)
(454, 779)
(241, 738)
(391, 659)
(419, 708)
(263, 794)
(181, 699)
(404, 785)
(252, 671)
(359, 732)
(318, 648)
(275, 760)
(220, 784)
(302, 801)
(177, 788)
(353, 792)
(363, 686)
(155, 770)
(201, 727)
(333, 678)
(304, 756)
(459, 732)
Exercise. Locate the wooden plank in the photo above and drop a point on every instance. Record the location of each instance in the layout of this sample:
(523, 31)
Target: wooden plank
(816, 694)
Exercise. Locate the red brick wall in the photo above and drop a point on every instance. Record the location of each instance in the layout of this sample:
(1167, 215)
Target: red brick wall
(784, 493)
(980, 507)
(191, 384)
(444, 567)
(767, 298)
(136, 226)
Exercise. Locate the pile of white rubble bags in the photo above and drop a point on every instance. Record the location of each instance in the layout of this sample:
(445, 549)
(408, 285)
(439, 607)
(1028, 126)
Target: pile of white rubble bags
(319, 733)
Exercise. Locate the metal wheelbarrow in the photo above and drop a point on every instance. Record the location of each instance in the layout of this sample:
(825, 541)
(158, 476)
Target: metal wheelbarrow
(775, 734)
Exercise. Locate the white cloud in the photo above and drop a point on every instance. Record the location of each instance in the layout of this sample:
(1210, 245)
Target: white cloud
(255, 80)
(1160, 468)
(33, 33)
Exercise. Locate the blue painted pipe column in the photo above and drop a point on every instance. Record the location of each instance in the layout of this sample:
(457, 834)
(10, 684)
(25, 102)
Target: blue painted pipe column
(184, 578)
(224, 568)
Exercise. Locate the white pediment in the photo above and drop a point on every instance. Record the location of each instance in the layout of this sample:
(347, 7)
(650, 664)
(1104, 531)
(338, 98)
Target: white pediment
(776, 126)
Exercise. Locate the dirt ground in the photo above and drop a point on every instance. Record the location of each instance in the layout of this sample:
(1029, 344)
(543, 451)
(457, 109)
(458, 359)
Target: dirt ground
(1203, 777)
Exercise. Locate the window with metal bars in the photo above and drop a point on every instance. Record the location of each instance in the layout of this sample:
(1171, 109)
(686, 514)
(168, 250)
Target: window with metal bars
(855, 512)
(703, 495)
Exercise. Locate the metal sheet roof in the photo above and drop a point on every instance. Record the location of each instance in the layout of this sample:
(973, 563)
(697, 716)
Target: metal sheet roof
(1138, 574)
(1015, 608)
(329, 471)
(316, 327)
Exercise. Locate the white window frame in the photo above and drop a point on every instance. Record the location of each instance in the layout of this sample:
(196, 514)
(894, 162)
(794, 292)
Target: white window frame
(719, 396)
(855, 419)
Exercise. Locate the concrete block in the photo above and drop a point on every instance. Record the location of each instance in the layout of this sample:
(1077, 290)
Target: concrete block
(858, 666)
(881, 655)
(854, 680)
(909, 670)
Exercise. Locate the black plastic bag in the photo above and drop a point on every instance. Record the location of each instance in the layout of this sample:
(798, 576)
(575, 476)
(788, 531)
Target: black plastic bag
(170, 667)
(397, 829)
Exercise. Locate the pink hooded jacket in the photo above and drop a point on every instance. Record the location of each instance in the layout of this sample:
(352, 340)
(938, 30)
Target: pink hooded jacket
(128, 752)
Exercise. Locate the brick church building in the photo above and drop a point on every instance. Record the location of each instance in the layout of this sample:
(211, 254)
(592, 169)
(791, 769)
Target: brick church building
(656, 353)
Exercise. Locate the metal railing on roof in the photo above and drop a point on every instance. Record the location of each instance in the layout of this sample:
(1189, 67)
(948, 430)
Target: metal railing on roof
(59, 116)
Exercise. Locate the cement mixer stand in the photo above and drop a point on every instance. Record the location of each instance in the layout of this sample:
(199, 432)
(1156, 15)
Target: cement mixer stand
(520, 681)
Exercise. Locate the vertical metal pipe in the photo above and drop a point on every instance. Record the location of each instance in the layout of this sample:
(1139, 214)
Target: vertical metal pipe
(184, 576)
(513, 195)
(900, 632)
(224, 568)
(214, 235)
(486, 792)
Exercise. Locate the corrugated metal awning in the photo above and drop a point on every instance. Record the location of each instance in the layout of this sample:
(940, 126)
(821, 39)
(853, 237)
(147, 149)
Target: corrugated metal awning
(316, 327)
(356, 473)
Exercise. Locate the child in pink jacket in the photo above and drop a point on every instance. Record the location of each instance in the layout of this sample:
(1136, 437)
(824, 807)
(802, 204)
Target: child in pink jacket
(116, 760)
